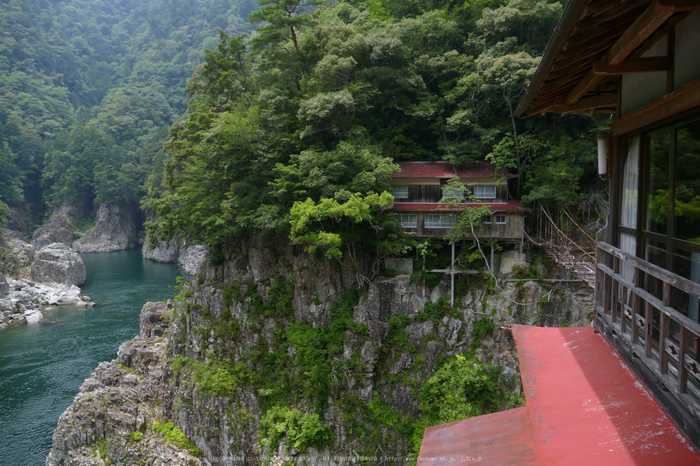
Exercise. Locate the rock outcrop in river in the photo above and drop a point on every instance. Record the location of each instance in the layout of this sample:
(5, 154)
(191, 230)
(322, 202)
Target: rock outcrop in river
(270, 357)
(30, 280)
(57, 263)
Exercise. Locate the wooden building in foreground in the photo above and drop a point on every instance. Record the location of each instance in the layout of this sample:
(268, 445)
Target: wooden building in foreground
(641, 61)
(419, 186)
(638, 60)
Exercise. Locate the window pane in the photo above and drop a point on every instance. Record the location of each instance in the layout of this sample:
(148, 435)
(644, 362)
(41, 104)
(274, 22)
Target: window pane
(439, 221)
(485, 191)
(500, 219)
(687, 265)
(687, 194)
(656, 254)
(452, 193)
(487, 219)
(399, 191)
(407, 220)
(630, 185)
(657, 211)
(628, 243)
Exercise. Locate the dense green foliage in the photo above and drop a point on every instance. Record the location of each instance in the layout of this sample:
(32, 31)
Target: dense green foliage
(302, 121)
(460, 389)
(318, 103)
(88, 90)
(298, 429)
(174, 434)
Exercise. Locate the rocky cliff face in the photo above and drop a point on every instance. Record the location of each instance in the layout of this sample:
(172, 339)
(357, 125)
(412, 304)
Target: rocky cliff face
(191, 257)
(115, 230)
(165, 252)
(270, 357)
(116, 407)
(58, 229)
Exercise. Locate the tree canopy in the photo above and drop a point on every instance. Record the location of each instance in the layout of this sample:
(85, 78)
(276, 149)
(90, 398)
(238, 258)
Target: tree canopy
(88, 90)
(306, 117)
(318, 103)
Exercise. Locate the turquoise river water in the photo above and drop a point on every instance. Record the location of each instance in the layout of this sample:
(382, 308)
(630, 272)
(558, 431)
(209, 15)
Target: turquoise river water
(43, 365)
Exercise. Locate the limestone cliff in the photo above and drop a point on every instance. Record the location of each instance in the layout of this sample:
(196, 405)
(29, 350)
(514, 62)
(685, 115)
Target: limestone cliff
(115, 230)
(187, 255)
(58, 228)
(57, 263)
(271, 357)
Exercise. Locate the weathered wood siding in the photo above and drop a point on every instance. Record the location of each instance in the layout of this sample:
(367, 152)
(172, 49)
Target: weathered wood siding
(432, 193)
(424, 193)
(512, 229)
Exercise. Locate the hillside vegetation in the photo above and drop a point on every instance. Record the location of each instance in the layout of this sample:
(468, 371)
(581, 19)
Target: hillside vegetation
(302, 122)
(88, 90)
(317, 103)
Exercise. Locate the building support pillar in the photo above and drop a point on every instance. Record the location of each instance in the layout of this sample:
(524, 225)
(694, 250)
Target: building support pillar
(452, 277)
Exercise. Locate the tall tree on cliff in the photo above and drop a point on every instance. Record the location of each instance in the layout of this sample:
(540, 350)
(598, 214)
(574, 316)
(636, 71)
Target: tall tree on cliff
(282, 21)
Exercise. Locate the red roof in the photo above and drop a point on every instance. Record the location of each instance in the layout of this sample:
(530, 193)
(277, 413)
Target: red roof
(510, 206)
(448, 170)
(585, 406)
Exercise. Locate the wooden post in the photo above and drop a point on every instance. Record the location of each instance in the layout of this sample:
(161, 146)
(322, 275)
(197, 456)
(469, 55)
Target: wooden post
(607, 286)
(649, 330)
(635, 308)
(625, 292)
(635, 327)
(452, 277)
(664, 328)
(615, 290)
(682, 371)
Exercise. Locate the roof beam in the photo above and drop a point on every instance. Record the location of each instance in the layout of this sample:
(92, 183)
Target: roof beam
(608, 100)
(671, 104)
(652, 18)
(633, 65)
(681, 5)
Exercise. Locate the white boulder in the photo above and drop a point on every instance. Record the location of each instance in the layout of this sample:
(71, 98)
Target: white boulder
(57, 263)
(33, 316)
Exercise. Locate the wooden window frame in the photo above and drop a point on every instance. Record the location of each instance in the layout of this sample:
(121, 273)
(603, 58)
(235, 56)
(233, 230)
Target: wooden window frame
(399, 217)
(495, 191)
(429, 216)
(394, 191)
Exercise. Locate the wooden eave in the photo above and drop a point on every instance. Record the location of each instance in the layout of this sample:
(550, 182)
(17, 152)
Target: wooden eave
(595, 42)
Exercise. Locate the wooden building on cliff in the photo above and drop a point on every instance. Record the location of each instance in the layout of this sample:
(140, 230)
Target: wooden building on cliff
(640, 61)
(419, 186)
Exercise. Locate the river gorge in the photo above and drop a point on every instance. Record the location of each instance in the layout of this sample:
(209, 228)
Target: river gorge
(43, 365)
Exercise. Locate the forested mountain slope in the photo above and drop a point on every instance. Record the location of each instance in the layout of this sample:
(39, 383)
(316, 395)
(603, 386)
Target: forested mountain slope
(88, 90)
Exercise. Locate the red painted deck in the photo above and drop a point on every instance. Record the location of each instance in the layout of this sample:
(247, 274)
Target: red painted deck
(501, 438)
(585, 407)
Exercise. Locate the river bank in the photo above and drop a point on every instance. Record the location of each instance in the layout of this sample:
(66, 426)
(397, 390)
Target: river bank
(34, 279)
(42, 366)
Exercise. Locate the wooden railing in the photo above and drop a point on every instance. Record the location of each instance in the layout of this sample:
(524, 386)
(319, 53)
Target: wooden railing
(567, 243)
(648, 327)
